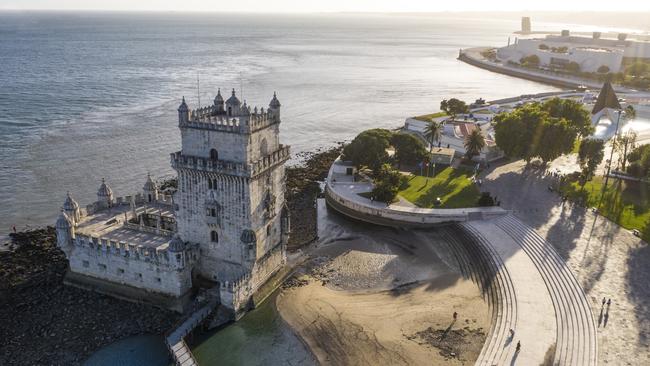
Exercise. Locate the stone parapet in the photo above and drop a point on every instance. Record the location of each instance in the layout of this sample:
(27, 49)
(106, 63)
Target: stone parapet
(277, 157)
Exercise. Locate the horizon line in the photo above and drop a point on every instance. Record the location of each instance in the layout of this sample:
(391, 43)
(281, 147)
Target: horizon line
(317, 12)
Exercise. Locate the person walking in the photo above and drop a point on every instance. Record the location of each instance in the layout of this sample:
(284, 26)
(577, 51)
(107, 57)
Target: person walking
(603, 301)
(518, 346)
(609, 302)
(14, 229)
(455, 315)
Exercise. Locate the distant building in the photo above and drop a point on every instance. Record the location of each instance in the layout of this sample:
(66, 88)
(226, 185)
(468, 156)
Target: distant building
(227, 222)
(442, 155)
(525, 25)
(590, 53)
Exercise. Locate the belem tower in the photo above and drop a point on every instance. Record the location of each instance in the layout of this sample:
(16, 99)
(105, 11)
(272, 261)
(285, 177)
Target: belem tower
(226, 222)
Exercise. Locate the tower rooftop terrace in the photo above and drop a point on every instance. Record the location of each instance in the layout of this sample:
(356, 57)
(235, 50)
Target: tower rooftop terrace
(109, 224)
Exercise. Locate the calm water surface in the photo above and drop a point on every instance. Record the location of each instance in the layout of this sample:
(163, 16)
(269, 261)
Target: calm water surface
(91, 95)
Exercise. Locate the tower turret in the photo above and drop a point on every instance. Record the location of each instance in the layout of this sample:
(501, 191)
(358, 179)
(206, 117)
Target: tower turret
(176, 251)
(150, 190)
(64, 232)
(71, 208)
(232, 105)
(104, 195)
(274, 107)
(183, 112)
(218, 108)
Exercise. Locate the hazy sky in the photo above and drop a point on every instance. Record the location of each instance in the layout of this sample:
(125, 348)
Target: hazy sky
(332, 5)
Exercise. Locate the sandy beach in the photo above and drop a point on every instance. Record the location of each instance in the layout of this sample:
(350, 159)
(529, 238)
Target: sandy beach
(364, 302)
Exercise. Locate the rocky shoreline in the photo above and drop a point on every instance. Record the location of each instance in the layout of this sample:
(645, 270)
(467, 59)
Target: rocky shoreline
(302, 191)
(47, 323)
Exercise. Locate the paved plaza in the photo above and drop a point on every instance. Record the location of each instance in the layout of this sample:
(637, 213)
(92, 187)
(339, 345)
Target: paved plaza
(608, 261)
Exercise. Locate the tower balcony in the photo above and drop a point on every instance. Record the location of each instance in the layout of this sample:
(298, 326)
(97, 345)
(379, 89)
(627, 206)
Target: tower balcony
(180, 161)
(277, 157)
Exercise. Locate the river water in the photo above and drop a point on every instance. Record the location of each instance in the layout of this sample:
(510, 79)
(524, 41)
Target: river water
(91, 95)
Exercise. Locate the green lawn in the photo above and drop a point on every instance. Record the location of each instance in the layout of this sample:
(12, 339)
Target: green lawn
(453, 186)
(626, 203)
(428, 117)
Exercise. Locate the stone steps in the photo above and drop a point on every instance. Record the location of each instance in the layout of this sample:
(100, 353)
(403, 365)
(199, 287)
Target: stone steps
(485, 268)
(576, 332)
(493, 352)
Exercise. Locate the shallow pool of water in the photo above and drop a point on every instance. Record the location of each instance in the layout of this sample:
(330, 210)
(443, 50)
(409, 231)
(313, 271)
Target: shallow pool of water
(142, 350)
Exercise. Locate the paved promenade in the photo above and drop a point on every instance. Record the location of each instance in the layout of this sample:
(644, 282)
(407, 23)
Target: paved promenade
(608, 261)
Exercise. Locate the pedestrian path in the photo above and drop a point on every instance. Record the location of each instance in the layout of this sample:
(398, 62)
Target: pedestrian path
(539, 300)
(181, 353)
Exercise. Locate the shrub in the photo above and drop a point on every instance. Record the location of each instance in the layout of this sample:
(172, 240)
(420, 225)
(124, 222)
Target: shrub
(604, 69)
(543, 47)
(485, 200)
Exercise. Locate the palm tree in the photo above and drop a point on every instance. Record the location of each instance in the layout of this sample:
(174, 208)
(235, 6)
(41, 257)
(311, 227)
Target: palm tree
(432, 132)
(474, 142)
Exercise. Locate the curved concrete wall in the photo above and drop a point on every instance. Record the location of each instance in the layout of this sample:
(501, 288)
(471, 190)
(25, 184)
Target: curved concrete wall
(362, 209)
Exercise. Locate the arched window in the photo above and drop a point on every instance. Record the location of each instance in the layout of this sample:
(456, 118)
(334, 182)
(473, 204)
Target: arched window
(214, 155)
(264, 148)
(214, 237)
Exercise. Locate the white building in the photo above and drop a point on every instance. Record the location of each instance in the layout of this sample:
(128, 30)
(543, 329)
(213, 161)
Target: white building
(557, 51)
(227, 221)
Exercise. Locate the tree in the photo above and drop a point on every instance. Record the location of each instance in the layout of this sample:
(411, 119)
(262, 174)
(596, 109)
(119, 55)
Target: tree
(531, 131)
(572, 67)
(515, 131)
(590, 155)
(432, 132)
(573, 111)
(630, 113)
(408, 148)
(368, 148)
(638, 68)
(622, 144)
(557, 138)
(604, 69)
(543, 47)
(387, 184)
(530, 61)
(453, 107)
(474, 143)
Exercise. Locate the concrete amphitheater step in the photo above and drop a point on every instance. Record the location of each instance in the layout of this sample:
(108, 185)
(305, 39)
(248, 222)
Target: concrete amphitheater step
(567, 325)
(577, 343)
(589, 346)
(535, 326)
(506, 304)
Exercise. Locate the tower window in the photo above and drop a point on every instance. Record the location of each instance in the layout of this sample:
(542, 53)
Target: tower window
(214, 236)
(210, 186)
(214, 155)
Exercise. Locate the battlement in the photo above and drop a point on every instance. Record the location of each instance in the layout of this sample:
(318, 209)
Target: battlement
(277, 157)
(249, 121)
(180, 161)
(163, 199)
(137, 252)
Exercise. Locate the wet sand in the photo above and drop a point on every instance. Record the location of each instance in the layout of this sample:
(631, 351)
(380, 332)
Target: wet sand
(388, 300)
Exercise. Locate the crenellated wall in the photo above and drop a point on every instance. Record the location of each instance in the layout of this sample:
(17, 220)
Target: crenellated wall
(134, 265)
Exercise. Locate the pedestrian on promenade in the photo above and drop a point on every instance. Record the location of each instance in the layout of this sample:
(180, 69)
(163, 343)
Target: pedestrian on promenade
(455, 315)
(14, 228)
(518, 346)
(512, 333)
(609, 302)
(603, 301)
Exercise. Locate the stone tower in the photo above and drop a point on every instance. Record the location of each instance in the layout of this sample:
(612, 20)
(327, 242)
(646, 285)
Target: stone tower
(230, 197)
